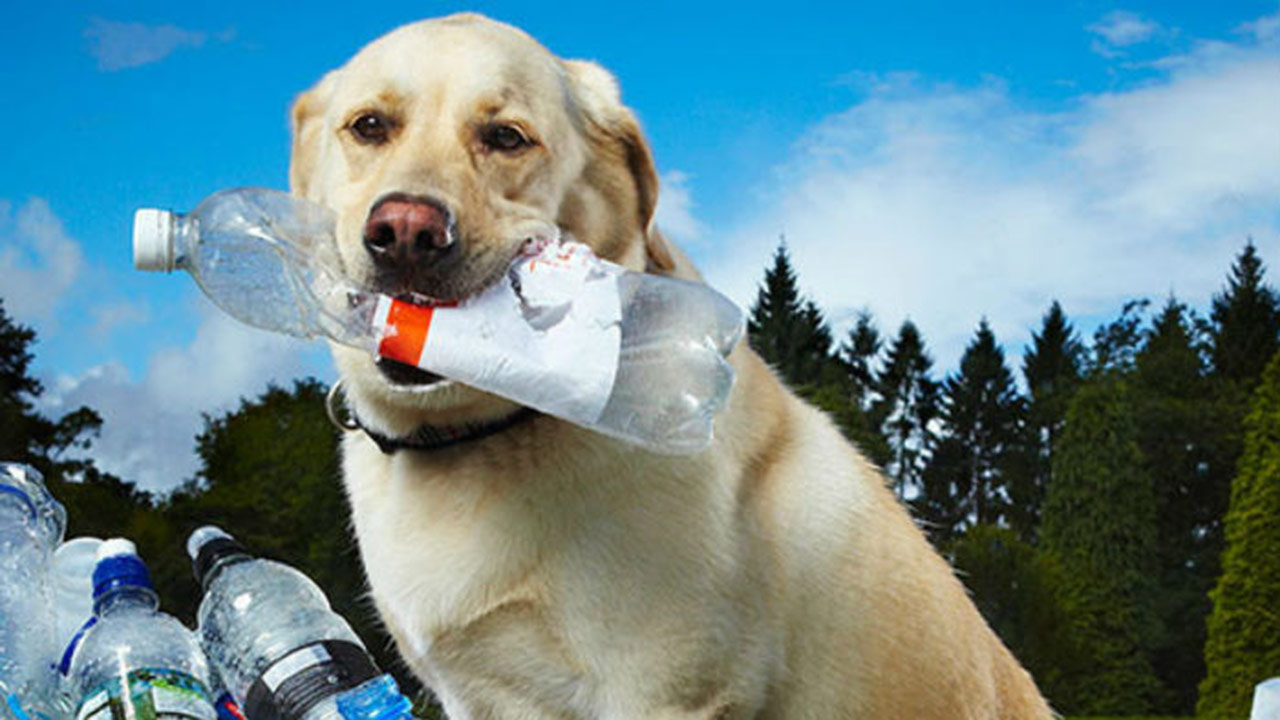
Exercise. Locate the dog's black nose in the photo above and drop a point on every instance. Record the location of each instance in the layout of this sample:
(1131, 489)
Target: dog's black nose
(404, 233)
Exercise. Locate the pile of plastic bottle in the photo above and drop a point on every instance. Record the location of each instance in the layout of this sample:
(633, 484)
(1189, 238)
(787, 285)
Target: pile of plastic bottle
(82, 635)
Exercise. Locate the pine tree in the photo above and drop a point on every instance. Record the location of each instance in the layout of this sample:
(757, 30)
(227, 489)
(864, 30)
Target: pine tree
(1179, 421)
(776, 308)
(788, 330)
(811, 361)
(1246, 321)
(1243, 645)
(906, 405)
(981, 448)
(861, 355)
(1051, 368)
(1099, 522)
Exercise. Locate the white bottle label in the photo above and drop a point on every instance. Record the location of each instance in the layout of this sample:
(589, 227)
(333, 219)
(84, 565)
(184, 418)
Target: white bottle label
(547, 335)
(148, 694)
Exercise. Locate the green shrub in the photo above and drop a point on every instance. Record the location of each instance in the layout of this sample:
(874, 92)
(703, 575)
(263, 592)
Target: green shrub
(1243, 645)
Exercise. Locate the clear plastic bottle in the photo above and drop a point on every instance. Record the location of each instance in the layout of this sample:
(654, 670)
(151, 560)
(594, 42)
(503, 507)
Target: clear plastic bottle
(223, 703)
(72, 580)
(31, 526)
(270, 260)
(271, 635)
(136, 663)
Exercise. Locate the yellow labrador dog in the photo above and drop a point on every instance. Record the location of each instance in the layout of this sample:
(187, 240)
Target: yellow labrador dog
(531, 569)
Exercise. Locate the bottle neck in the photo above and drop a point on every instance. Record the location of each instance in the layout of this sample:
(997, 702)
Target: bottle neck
(184, 234)
(215, 556)
(125, 598)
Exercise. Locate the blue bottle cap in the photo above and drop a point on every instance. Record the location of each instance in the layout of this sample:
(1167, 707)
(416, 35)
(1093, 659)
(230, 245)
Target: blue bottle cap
(376, 699)
(119, 566)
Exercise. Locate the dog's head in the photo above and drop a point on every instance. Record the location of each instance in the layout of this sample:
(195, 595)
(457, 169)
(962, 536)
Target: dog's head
(442, 147)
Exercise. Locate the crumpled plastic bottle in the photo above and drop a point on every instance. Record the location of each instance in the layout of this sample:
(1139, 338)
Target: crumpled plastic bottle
(636, 356)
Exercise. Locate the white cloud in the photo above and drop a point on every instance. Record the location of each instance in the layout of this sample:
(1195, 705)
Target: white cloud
(1264, 29)
(108, 317)
(39, 262)
(674, 214)
(948, 204)
(149, 425)
(1119, 29)
(122, 45)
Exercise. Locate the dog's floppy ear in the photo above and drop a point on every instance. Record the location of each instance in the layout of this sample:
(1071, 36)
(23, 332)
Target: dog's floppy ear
(307, 123)
(597, 95)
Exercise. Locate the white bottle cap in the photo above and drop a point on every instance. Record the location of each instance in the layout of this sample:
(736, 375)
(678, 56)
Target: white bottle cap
(153, 240)
(202, 535)
(115, 547)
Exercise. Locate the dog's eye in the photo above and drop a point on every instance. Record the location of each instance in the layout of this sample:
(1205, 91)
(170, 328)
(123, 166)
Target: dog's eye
(506, 138)
(371, 128)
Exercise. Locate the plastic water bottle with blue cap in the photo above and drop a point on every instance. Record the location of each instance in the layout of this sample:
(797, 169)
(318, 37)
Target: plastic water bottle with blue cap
(31, 526)
(636, 356)
(136, 663)
(272, 637)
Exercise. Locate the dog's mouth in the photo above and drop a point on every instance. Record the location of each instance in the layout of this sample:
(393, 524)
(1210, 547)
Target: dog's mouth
(398, 373)
(447, 294)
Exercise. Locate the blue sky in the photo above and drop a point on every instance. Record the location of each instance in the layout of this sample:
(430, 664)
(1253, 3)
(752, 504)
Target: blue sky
(938, 161)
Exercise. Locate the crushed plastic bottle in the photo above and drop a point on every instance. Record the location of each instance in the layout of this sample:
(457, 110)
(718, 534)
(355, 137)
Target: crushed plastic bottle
(271, 635)
(136, 663)
(31, 526)
(636, 356)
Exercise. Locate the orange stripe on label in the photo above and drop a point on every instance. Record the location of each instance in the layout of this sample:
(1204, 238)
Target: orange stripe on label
(406, 332)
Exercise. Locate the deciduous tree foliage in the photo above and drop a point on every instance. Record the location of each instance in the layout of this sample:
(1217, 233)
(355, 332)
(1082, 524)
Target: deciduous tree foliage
(1243, 646)
(26, 435)
(270, 474)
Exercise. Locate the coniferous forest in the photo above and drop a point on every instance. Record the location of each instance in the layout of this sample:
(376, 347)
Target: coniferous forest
(1112, 502)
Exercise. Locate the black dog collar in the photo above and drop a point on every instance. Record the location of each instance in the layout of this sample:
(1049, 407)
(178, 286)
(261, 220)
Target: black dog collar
(426, 437)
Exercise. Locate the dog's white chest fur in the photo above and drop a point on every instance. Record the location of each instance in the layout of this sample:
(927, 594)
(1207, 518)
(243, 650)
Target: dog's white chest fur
(565, 592)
